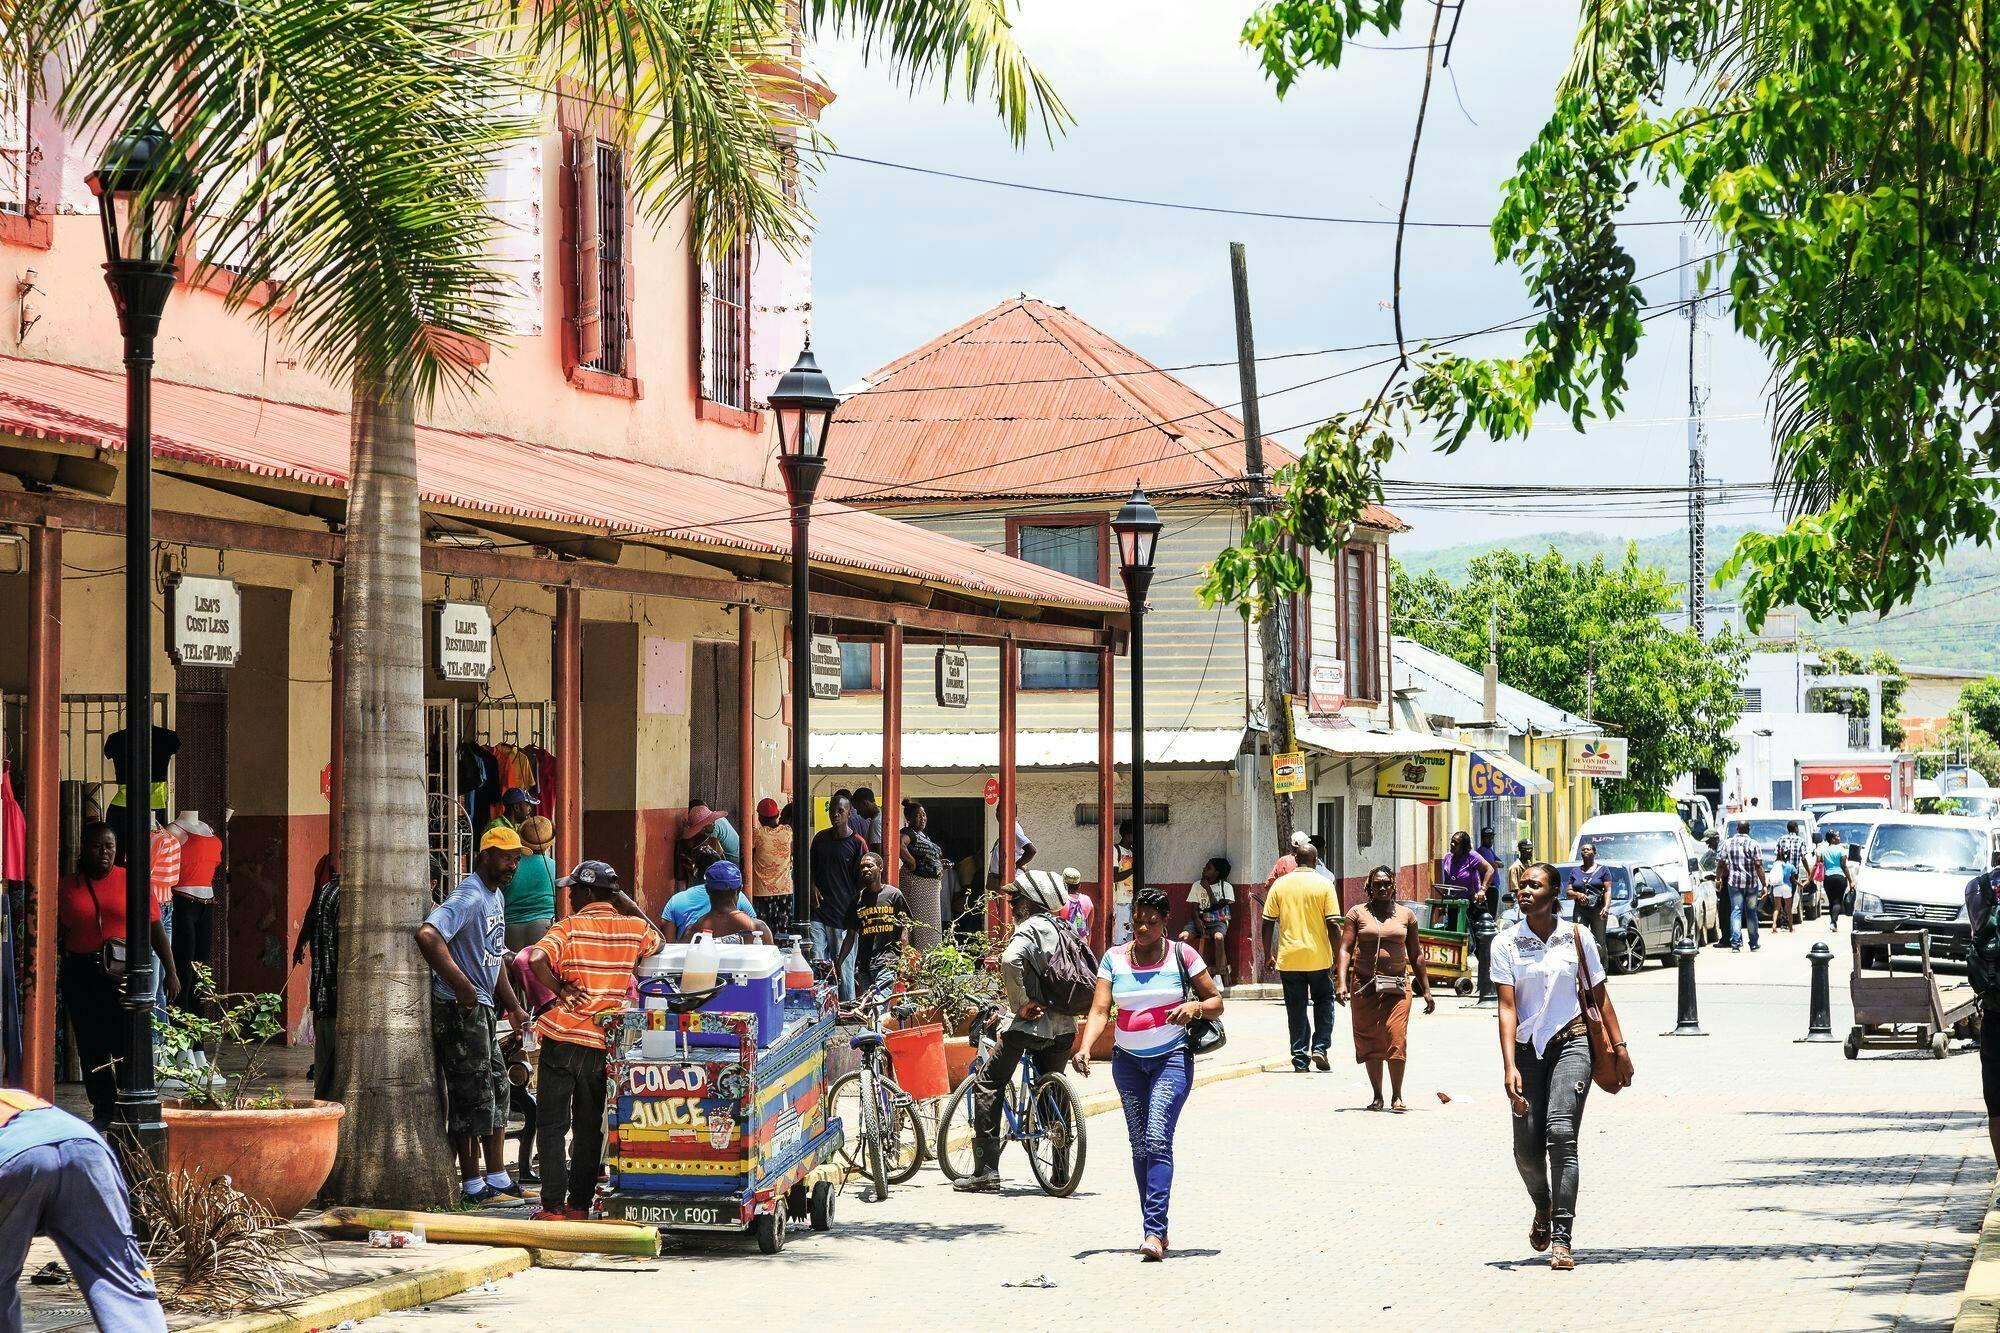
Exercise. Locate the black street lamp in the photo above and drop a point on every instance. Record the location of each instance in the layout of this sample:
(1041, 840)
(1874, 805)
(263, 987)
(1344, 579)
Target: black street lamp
(803, 402)
(1138, 528)
(143, 187)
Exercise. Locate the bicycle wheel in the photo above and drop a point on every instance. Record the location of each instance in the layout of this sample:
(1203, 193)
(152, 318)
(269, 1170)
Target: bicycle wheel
(903, 1132)
(843, 1101)
(1054, 1136)
(954, 1134)
(874, 1159)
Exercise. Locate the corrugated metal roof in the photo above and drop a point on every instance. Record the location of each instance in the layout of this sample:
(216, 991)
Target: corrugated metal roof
(1030, 400)
(1352, 742)
(499, 475)
(1447, 687)
(979, 751)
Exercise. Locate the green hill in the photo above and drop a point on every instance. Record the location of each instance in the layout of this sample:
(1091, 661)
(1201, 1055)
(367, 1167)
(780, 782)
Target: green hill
(1953, 622)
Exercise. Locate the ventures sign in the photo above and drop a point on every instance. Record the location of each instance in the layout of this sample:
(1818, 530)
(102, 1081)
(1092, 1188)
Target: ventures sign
(464, 641)
(204, 621)
(1416, 777)
(954, 688)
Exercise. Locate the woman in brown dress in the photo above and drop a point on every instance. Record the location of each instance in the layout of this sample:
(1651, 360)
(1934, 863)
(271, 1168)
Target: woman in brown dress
(1378, 953)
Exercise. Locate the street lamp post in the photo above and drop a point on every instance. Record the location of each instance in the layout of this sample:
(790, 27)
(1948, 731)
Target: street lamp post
(1138, 529)
(803, 403)
(142, 188)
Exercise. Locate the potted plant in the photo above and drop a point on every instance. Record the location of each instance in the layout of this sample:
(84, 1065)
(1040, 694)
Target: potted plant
(955, 981)
(276, 1149)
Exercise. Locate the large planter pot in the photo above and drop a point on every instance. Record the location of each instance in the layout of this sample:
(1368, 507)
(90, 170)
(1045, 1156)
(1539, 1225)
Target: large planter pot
(958, 1058)
(1101, 1048)
(278, 1157)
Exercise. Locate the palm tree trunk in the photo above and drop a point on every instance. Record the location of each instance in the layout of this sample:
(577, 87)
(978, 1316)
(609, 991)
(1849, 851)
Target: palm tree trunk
(393, 1151)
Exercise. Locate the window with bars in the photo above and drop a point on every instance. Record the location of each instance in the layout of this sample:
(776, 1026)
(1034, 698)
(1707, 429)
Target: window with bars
(15, 148)
(608, 169)
(726, 329)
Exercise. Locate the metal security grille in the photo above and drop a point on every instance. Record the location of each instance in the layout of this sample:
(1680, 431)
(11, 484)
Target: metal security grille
(88, 720)
(729, 329)
(450, 825)
(611, 311)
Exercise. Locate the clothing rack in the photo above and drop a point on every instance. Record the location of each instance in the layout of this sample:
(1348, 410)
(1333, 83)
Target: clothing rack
(506, 722)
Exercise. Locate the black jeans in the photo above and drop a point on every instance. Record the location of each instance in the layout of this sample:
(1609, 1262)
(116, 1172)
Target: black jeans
(989, 1086)
(194, 941)
(569, 1096)
(96, 1008)
(1555, 1083)
(1836, 897)
(1316, 986)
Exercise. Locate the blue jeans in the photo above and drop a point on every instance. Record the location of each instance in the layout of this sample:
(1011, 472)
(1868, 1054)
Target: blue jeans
(159, 968)
(72, 1192)
(1300, 987)
(826, 943)
(1153, 1090)
(1742, 908)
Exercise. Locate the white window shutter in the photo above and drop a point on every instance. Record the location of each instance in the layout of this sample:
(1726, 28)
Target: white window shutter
(589, 316)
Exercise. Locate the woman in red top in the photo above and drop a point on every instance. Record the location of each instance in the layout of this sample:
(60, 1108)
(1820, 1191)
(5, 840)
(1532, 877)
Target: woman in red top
(90, 909)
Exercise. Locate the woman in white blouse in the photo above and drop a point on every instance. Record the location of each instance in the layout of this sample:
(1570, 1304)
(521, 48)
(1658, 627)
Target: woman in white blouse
(1545, 1051)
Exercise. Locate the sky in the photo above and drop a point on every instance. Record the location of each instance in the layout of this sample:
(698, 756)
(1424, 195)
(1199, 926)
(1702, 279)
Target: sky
(1169, 105)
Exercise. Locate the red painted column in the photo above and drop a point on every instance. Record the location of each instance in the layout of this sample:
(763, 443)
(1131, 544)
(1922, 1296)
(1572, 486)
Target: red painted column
(567, 687)
(41, 752)
(997, 910)
(892, 750)
(1107, 800)
(746, 731)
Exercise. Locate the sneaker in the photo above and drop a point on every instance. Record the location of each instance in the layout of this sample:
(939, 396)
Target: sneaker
(577, 1214)
(551, 1215)
(1755, 947)
(480, 1197)
(1299, 1066)
(527, 1175)
(511, 1192)
(979, 1182)
(1320, 1062)
(1736, 948)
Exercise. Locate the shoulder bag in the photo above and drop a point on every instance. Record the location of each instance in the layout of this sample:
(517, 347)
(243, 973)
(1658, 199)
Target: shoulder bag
(1603, 1060)
(1204, 1034)
(110, 952)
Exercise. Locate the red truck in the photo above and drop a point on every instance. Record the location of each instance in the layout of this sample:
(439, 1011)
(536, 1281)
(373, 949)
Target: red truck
(1858, 781)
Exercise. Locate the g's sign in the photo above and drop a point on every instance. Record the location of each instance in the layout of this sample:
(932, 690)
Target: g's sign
(1415, 777)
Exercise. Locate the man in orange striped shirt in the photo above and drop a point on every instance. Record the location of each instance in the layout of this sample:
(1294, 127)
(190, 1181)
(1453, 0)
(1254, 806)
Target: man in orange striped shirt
(587, 960)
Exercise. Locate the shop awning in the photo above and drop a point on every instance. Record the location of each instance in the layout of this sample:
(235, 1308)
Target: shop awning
(213, 436)
(1525, 781)
(1350, 742)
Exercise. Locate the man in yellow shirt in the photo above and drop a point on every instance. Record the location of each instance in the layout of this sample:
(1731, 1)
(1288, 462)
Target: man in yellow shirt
(1301, 917)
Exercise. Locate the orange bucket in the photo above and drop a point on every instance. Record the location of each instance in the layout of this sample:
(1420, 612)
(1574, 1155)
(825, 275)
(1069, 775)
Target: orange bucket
(917, 1055)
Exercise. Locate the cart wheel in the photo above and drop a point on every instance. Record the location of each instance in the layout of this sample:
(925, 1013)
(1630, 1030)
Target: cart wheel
(796, 1203)
(823, 1196)
(1464, 986)
(1851, 1047)
(770, 1231)
(1940, 1044)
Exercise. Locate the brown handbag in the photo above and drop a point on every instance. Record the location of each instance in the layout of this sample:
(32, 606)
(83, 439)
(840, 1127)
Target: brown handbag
(1604, 1070)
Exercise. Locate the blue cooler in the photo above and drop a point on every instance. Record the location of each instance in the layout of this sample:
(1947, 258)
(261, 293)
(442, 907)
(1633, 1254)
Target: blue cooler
(753, 982)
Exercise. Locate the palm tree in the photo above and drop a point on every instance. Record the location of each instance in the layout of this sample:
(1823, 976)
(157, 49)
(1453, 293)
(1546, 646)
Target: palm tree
(342, 146)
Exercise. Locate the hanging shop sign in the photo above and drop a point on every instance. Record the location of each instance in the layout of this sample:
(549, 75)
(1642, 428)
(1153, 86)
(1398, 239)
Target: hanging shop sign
(1288, 773)
(204, 621)
(1487, 781)
(464, 641)
(1415, 777)
(1328, 688)
(825, 667)
(1597, 757)
(954, 682)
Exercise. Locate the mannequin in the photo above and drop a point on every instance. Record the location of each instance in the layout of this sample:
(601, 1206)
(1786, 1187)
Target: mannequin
(194, 897)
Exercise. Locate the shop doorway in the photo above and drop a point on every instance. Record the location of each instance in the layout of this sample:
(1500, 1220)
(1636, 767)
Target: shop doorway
(715, 760)
(1330, 823)
(958, 826)
(201, 718)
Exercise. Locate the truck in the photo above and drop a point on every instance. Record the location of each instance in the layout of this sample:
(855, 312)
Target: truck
(1860, 780)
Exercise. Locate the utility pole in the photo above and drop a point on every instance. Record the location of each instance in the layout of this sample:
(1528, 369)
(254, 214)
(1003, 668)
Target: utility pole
(1697, 588)
(1273, 631)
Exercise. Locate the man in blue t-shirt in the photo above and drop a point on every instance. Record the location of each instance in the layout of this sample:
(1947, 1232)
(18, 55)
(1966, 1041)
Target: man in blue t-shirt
(464, 939)
(58, 1179)
(692, 903)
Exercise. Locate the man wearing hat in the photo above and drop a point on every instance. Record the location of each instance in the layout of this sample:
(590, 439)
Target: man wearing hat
(531, 894)
(771, 866)
(463, 940)
(586, 959)
(691, 904)
(515, 807)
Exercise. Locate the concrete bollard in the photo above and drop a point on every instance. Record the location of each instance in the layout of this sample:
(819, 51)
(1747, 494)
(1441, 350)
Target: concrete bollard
(1819, 1016)
(1688, 1022)
(1483, 934)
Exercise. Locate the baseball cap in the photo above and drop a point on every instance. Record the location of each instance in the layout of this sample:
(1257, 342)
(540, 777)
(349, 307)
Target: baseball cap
(767, 809)
(724, 875)
(517, 796)
(500, 838)
(1072, 876)
(1301, 840)
(589, 875)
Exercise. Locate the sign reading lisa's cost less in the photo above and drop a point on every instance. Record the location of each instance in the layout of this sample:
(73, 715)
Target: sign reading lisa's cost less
(1415, 777)
(204, 621)
(825, 667)
(464, 641)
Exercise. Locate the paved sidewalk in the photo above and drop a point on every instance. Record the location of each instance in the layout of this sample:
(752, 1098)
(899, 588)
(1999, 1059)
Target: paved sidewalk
(1745, 1181)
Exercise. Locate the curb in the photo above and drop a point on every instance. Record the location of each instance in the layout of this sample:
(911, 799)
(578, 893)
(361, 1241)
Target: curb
(419, 1286)
(1979, 1305)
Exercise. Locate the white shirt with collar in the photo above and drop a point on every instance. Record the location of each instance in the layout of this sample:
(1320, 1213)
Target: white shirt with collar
(1543, 975)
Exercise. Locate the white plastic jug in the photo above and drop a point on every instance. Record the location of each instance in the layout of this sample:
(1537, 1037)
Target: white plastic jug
(704, 959)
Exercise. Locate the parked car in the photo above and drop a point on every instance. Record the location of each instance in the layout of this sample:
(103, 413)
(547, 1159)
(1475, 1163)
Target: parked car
(1642, 920)
(1915, 868)
(1661, 841)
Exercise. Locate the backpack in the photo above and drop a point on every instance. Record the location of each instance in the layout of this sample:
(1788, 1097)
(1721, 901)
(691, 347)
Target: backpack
(1069, 981)
(1983, 958)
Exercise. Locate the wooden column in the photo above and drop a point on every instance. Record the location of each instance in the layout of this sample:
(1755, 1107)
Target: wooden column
(41, 752)
(892, 751)
(1009, 808)
(566, 662)
(746, 731)
(1107, 800)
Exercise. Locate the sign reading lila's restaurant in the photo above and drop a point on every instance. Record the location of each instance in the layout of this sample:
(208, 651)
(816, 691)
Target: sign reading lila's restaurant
(204, 621)
(464, 641)
(954, 685)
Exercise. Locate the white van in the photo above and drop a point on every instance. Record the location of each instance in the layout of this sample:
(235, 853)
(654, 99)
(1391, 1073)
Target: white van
(1658, 839)
(1915, 868)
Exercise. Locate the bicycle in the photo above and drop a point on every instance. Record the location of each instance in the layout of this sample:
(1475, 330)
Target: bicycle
(887, 1136)
(1039, 1110)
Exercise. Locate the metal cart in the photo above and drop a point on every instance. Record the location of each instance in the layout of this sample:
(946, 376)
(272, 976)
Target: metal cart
(1901, 1009)
(1444, 936)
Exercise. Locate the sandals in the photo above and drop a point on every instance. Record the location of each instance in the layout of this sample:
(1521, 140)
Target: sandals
(1561, 1259)
(1397, 1106)
(1538, 1233)
(1375, 1105)
(1152, 1249)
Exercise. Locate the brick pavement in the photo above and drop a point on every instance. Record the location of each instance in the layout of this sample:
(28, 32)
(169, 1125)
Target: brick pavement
(1745, 1181)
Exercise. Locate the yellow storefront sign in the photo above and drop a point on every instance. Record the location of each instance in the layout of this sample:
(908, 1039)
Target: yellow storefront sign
(1415, 777)
(1288, 773)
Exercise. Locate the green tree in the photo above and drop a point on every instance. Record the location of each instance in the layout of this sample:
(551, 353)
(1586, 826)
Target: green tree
(1854, 703)
(1565, 626)
(1842, 156)
(1979, 707)
(355, 136)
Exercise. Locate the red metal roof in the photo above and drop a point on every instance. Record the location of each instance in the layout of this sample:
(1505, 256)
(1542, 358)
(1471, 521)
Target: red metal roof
(499, 475)
(1029, 400)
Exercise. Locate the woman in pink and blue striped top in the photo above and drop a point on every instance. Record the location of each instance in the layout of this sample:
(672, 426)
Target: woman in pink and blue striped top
(1158, 986)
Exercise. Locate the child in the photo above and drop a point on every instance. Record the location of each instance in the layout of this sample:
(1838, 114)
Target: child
(1783, 892)
(1076, 905)
(1210, 900)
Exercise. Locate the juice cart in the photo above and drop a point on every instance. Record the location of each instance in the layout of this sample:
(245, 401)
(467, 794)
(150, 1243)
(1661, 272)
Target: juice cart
(1444, 936)
(722, 1139)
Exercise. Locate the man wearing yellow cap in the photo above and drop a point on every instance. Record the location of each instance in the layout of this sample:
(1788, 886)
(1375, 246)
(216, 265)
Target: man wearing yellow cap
(464, 939)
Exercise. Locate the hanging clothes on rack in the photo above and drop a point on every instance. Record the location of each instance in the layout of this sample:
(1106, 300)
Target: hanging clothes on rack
(547, 782)
(13, 828)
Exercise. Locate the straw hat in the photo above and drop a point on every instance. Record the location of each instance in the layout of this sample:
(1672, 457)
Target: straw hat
(538, 832)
